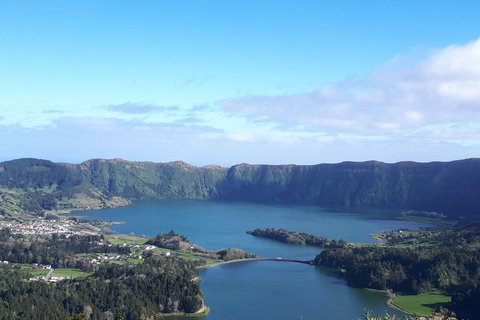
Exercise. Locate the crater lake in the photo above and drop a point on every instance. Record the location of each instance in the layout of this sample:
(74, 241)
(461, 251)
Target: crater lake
(261, 290)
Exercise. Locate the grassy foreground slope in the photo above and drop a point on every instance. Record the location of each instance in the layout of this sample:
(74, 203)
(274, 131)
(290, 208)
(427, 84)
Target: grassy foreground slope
(422, 303)
(448, 187)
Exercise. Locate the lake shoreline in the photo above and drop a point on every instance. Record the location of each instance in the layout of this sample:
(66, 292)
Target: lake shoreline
(203, 311)
(391, 297)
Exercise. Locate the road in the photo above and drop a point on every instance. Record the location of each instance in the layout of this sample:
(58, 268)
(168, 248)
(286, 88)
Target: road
(49, 274)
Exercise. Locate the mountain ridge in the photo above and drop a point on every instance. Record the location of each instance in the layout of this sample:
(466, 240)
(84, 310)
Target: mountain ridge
(448, 187)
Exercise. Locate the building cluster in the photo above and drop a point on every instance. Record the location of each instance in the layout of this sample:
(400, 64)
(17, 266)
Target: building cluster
(57, 279)
(46, 228)
(104, 257)
(41, 266)
(143, 246)
(50, 279)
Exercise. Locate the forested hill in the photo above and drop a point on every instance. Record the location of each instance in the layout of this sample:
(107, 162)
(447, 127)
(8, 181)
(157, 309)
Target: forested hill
(452, 188)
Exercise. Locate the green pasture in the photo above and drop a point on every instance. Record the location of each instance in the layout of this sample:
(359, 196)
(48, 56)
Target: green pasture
(34, 272)
(421, 304)
(72, 273)
(123, 238)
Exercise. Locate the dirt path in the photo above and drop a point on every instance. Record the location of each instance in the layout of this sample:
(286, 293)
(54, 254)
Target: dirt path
(202, 309)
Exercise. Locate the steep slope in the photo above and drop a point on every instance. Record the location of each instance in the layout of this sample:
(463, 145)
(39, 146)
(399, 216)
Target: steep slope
(450, 187)
(143, 180)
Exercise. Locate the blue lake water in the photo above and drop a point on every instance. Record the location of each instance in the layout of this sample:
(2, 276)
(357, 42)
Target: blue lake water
(264, 289)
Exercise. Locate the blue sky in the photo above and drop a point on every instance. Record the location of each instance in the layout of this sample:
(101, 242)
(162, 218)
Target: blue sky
(225, 82)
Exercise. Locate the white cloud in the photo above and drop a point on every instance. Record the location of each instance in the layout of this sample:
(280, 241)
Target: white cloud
(394, 100)
(422, 112)
(241, 136)
(455, 61)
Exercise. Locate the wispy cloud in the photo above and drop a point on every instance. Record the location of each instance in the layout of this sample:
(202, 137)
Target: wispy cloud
(11, 128)
(450, 133)
(425, 111)
(395, 100)
(200, 108)
(92, 137)
(134, 128)
(53, 111)
(274, 140)
(138, 108)
(194, 82)
(188, 121)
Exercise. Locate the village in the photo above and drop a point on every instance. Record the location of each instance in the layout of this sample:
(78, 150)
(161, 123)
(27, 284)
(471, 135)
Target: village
(68, 228)
(49, 227)
(133, 257)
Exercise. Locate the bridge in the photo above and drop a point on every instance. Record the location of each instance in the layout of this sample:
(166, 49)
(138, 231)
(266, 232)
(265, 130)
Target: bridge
(310, 262)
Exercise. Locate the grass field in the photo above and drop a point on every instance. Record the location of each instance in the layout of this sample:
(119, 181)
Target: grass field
(35, 272)
(85, 255)
(136, 261)
(11, 201)
(72, 273)
(422, 304)
(123, 238)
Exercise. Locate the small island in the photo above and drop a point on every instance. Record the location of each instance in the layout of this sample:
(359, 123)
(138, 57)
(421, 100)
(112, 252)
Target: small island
(294, 237)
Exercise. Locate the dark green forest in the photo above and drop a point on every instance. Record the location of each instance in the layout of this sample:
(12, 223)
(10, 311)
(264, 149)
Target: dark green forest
(423, 261)
(159, 284)
(57, 251)
(449, 188)
(134, 291)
